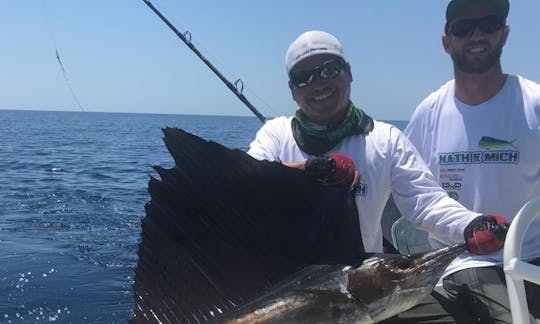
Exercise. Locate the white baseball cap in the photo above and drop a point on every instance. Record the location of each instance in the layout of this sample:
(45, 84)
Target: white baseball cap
(311, 43)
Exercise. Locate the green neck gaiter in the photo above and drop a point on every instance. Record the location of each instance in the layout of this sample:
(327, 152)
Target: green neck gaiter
(318, 139)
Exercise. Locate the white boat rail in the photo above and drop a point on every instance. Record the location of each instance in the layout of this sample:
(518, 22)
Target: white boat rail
(515, 269)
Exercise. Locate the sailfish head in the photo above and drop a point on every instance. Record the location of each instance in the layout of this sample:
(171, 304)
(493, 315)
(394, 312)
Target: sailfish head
(390, 285)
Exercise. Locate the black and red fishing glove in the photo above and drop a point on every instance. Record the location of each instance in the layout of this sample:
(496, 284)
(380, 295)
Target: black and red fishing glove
(485, 234)
(335, 169)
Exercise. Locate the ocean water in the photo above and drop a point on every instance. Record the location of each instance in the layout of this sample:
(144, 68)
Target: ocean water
(72, 194)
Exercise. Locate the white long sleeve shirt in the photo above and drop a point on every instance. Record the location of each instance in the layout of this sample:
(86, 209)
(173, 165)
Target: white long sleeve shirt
(388, 163)
(486, 156)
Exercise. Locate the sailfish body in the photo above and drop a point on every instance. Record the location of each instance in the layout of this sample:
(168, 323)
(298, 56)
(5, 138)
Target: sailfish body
(381, 287)
(230, 239)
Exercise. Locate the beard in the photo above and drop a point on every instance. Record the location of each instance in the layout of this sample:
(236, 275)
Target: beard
(477, 65)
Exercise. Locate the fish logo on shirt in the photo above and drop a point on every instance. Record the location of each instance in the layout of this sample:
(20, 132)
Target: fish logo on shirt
(489, 143)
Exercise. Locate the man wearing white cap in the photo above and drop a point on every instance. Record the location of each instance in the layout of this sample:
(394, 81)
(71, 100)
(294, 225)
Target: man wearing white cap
(490, 121)
(331, 138)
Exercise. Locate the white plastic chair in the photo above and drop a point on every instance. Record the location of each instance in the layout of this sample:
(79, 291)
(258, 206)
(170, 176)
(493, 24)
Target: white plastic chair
(515, 269)
(408, 239)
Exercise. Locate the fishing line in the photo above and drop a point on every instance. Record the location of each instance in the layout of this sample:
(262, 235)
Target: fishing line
(59, 60)
(238, 83)
(67, 80)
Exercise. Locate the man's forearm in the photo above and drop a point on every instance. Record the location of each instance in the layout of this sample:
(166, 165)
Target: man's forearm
(301, 165)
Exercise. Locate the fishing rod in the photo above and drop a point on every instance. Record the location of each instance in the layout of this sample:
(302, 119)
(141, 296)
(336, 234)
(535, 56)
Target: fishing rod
(186, 38)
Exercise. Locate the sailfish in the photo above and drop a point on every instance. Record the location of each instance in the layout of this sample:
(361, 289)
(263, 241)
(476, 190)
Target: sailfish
(230, 239)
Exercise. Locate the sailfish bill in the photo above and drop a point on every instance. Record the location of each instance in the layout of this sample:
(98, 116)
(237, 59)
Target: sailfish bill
(227, 238)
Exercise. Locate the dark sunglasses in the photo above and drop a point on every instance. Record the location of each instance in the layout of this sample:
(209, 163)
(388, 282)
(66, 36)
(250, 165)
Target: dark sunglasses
(466, 27)
(327, 70)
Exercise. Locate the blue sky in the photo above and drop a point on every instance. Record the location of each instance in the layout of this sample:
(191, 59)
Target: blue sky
(119, 57)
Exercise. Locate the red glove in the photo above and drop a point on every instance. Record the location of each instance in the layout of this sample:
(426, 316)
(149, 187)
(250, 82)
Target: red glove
(336, 169)
(486, 234)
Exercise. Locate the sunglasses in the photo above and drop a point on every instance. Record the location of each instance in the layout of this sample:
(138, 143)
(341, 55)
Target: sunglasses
(328, 70)
(466, 27)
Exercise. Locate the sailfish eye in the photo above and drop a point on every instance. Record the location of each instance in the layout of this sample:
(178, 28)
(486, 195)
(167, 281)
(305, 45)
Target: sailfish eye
(404, 264)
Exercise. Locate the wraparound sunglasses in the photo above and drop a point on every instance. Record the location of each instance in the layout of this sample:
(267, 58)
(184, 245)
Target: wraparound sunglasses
(328, 70)
(466, 27)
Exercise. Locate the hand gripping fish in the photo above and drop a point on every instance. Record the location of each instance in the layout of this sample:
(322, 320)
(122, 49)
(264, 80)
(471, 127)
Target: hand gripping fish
(229, 239)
